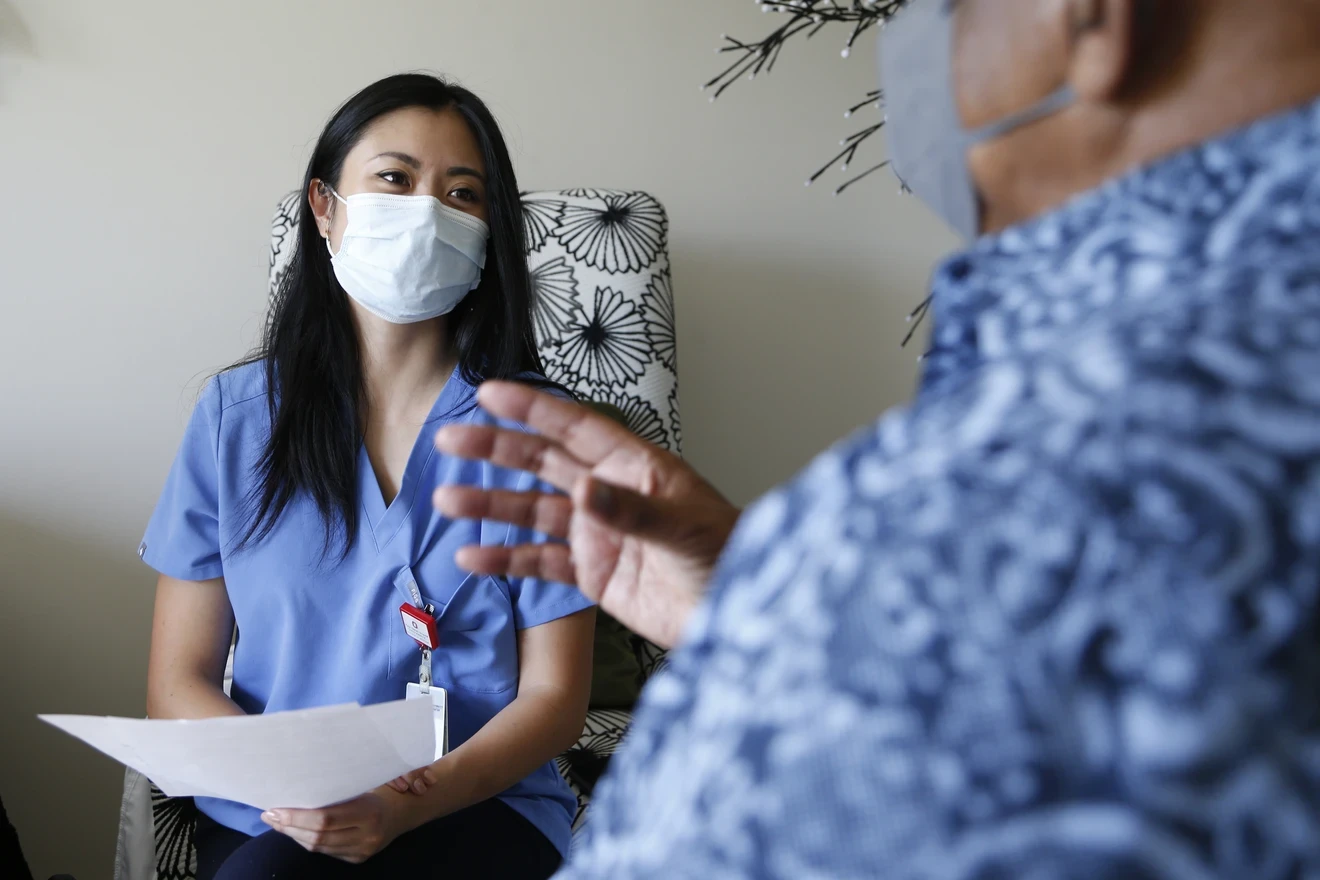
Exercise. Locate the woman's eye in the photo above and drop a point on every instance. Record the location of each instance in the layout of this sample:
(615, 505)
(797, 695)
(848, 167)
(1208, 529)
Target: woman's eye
(465, 195)
(396, 178)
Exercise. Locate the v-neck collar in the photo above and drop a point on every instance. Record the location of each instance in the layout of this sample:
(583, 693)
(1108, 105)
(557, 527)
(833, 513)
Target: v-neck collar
(386, 520)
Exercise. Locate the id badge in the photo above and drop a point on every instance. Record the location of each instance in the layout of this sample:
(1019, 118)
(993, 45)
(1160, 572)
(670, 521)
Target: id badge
(439, 714)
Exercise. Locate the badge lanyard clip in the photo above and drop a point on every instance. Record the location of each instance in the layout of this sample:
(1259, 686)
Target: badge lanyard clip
(419, 623)
(424, 672)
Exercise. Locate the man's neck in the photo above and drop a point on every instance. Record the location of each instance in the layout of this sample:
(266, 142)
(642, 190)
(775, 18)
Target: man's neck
(1235, 74)
(1235, 71)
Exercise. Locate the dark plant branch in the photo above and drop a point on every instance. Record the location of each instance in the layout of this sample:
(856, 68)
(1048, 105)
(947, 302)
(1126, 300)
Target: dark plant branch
(752, 58)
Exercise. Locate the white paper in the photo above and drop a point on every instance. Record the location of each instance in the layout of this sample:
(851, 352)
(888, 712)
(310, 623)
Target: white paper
(305, 759)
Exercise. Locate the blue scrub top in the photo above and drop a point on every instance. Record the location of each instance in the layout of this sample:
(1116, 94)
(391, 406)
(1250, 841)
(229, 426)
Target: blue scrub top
(318, 630)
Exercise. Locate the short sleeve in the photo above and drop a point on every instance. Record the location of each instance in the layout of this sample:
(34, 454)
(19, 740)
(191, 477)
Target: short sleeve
(537, 601)
(183, 536)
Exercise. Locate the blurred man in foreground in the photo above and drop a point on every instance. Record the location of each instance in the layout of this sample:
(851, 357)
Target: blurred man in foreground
(1057, 618)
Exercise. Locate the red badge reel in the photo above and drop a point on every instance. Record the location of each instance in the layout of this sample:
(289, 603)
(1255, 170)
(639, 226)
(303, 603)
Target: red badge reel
(420, 626)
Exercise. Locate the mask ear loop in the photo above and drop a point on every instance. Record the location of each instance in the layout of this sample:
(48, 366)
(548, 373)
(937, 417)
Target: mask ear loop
(1058, 100)
(330, 218)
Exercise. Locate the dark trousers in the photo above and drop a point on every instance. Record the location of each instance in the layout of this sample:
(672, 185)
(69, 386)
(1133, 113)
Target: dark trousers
(11, 854)
(490, 839)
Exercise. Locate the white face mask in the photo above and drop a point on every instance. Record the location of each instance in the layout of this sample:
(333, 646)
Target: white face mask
(408, 258)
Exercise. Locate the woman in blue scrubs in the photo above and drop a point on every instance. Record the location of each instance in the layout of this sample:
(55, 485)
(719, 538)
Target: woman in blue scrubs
(298, 511)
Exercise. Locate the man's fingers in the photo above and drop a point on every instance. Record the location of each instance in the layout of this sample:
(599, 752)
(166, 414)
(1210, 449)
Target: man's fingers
(550, 562)
(516, 450)
(547, 514)
(586, 435)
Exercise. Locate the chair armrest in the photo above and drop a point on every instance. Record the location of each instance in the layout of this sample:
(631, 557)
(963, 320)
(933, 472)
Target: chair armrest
(135, 851)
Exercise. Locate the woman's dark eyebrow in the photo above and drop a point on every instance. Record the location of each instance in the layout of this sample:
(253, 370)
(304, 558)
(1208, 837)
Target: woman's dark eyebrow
(416, 165)
(464, 171)
(402, 157)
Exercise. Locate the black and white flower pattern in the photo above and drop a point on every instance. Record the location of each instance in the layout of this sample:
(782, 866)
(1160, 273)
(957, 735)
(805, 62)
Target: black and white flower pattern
(541, 217)
(610, 348)
(282, 230)
(658, 306)
(175, 823)
(1060, 618)
(558, 305)
(623, 232)
(600, 738)
(677, 425)
(588, 193)
(642, 418)
(650, 655)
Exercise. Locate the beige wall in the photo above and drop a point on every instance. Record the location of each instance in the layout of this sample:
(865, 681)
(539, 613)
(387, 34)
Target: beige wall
(143, 144)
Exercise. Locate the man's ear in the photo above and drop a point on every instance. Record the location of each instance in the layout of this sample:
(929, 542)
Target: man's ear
(1101, 51)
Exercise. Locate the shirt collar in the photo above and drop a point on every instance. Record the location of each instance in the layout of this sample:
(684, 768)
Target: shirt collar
(1022, 290)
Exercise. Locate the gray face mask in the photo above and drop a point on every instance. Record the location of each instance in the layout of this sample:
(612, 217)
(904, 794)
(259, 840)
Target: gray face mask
(927, 143)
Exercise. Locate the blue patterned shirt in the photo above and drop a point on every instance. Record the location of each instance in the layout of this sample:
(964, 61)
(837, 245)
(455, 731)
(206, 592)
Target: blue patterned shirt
(1056, 619)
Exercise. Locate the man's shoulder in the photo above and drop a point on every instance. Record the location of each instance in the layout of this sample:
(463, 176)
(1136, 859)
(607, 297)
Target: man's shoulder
(1160, 433)
(1230, 361)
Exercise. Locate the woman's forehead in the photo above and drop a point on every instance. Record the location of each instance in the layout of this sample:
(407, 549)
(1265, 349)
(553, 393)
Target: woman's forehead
(432, 137)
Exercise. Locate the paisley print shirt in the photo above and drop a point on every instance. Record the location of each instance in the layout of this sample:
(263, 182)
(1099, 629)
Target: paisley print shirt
(1056, 619)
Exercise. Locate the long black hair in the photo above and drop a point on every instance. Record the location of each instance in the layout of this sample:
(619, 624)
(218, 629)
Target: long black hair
(315, 391)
